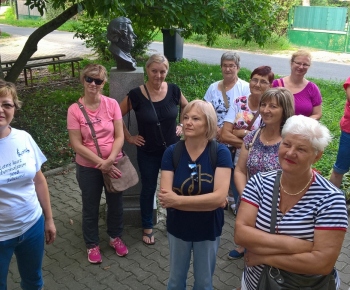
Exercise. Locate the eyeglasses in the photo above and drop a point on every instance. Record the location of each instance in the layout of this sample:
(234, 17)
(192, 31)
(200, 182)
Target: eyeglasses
(94, 121)
(255, 81)
(301, 64)
(229, 66)
(194, 173)
(7, 106)
(90, 80)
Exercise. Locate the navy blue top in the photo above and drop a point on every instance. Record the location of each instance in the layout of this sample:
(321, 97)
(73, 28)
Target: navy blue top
(195, 226)
(167, 112)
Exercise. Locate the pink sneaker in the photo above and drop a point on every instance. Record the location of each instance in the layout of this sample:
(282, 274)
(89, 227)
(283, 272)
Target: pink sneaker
(94, 255)
(119, 246)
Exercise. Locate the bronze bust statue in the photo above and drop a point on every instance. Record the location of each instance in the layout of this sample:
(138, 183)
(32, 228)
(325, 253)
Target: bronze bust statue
(122, 38)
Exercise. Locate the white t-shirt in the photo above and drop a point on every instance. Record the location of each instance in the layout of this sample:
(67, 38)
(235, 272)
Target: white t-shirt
(214, 96)
(20, 160)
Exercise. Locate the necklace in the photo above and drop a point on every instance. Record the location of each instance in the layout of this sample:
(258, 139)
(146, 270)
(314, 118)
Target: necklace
(231, 85)
(298, 191)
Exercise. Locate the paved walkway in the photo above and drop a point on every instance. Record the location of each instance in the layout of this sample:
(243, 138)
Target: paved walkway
(145, 267)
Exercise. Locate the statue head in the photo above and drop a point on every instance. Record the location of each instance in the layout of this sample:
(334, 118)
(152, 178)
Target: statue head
(120, 33)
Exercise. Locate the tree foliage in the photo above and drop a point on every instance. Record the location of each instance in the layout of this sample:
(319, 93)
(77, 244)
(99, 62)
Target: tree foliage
(246, 19)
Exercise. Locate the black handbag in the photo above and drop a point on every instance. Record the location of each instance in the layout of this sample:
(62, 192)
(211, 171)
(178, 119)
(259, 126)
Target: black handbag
(272, 278)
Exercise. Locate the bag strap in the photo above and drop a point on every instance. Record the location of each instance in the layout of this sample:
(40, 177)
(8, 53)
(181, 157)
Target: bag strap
(93, 132)
(279, 83)
(256, 115)
(154, 110)
(274, 201)
(179, 147)
(254, 138)
(224, 96)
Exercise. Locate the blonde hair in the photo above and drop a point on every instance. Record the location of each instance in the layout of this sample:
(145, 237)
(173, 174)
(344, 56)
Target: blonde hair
(7, 88)
(158, 58)
(208, 111)
(300, 52)
(94, 71)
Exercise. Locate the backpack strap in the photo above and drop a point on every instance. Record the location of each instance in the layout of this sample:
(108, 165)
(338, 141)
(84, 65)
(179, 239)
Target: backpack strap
(213, 153)
(179, 147)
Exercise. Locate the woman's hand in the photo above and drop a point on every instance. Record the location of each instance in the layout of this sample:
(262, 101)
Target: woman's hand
(137, 140)
(115, 172)
(167, 198)
(50, 231)
(105, 165)
(178, 130)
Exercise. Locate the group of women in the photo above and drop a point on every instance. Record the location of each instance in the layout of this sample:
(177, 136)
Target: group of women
(257, 135)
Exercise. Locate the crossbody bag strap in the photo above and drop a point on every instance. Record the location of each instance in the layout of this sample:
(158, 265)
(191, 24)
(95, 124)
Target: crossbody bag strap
(276, 188)
(256, 115)
(224, 96)
(93, 132)
(154, 110)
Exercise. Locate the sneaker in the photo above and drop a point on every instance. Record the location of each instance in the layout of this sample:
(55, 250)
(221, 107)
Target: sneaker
(119, 246)
(234, 254)
(94, 255)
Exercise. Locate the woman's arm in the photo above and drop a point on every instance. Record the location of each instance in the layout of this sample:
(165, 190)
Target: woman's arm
(78, 147)
(126, 107)
(228, 137)
(203, 202)
(263, 243)
(320, 260)
(42, 192)
(240, 173)
(106, 165)
(183, 103)
(316, 112)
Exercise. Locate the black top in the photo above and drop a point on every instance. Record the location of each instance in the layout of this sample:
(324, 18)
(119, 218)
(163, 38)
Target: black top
(167, 112)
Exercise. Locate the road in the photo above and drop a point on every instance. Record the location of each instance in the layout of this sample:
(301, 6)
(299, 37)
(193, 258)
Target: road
(63, 42)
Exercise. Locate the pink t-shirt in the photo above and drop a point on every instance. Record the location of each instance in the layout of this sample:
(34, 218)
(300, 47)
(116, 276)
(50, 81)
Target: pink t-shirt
(103, 121)
(306, 99)
(345, 120)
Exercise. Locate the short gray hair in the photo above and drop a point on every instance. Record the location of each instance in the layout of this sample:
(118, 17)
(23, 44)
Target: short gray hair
(310, 129)
(230, 55)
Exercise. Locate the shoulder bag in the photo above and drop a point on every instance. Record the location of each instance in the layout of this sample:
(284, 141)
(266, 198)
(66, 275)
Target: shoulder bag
(272, 278)
(129, 176)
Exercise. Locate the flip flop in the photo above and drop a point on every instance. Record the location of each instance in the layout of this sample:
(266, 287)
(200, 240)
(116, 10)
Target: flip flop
(150, 235)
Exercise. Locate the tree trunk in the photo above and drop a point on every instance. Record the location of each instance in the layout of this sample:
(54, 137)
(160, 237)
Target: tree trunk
(31, 45)
(306, 2)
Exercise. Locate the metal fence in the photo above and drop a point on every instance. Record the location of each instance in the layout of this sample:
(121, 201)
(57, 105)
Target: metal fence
(324, 28)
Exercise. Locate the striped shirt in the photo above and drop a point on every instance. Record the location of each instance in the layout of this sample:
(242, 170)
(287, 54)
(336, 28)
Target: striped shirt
(322, 207)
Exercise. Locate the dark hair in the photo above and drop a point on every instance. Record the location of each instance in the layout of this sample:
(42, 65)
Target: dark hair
(264, 71)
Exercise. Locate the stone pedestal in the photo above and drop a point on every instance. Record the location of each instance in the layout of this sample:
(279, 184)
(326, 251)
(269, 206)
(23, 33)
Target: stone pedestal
(120, 83)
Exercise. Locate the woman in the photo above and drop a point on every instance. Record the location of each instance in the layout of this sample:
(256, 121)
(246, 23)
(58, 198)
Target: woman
(106, 119)
(26, 216)
(231, 87)
(342, 164)
(161, 97)
(311, 212)
(307, 96)
(238, 121)
(276, 106)
(194, 196)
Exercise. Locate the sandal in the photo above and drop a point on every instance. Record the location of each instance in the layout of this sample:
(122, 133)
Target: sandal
(150, 236)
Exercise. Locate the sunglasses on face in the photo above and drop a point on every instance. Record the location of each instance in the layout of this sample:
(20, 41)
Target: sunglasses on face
(89, 80)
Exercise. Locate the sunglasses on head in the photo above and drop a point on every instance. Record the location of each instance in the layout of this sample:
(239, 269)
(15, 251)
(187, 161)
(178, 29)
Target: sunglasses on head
(90, 80)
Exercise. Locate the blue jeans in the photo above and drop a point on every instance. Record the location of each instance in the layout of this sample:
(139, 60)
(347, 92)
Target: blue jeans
(204, 259)
(29, 251)
(342, 164)
(149, 166)
(91, 183)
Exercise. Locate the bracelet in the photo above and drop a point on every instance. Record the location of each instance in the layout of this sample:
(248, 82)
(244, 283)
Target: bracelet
(180, 124)
(245, 132)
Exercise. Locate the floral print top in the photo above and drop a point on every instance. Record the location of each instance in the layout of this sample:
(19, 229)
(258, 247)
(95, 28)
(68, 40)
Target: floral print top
(262, 157)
